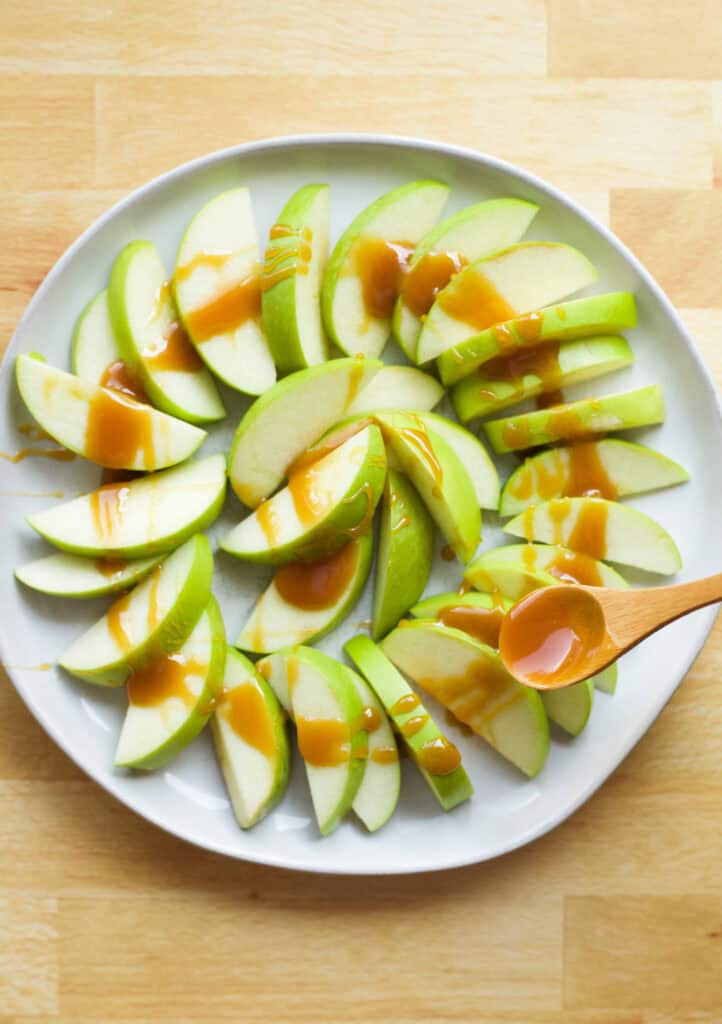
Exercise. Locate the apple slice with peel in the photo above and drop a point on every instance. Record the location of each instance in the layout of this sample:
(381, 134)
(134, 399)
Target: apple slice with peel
(249, 732)
(437, 759)
(93, 347)
(510, 580)
(489, 291)
(152, 342)
(332, 740)
(285, 421)
(566, 321)
(153, 620)
(435, 606)
(606, 681)
(571, 707)
(462, 238)
(397, 387)
(472, 453)
(564, 565)
(141, 517)
(279, 670)
(324, 505)
(291, 280)
(102, 425)
(306, 600)
(440, 477)
(217, 288)
(405, 553)
(577, 421)
(65, 575)
(608, 469)
(469, 679)
(363, 276)
(535, 371)
(172, 697)
(602, 529)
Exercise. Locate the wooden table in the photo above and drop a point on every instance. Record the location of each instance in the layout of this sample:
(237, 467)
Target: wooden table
(616, 917)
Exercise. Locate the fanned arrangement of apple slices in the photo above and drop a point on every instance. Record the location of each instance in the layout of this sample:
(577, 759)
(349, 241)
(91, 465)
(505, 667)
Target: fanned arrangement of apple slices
(329, 447)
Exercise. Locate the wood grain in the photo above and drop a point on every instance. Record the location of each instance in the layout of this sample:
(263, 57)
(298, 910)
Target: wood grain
(610, 918)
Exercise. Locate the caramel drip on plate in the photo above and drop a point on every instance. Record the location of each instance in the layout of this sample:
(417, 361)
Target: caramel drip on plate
(56, 454)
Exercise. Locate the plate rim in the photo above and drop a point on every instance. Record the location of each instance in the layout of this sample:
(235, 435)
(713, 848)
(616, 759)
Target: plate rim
(706, 616)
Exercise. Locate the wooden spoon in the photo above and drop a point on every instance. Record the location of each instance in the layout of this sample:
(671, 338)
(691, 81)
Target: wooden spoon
(557, 636)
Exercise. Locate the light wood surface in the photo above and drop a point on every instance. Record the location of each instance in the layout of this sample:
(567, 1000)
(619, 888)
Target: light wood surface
(616, 917)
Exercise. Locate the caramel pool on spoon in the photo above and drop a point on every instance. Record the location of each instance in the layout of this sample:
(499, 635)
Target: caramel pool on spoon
(558, 636)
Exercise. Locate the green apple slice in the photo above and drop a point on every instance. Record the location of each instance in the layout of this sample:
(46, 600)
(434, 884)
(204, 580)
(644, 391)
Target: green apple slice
(152, 343)
(469, 679)
(563, 565)
(472, 453)
(440, 477)
(322, 507)
(612, 468)
(606, 680)
(398, 387)
(102, 425)
(489, 291)
(250, 737)
(462, 238)
(536, 371)
(579, 318)
(363, 276)
(602, 529)
(94, 347)
(405, 553)
(65, 575)
(306, 600)
(218, 291)
(285, 421)
(576, 421)
(146, 516)
(328, 713)
(506, 579)
(172, 697)
(291, 280)
(444, 775)
(153, 620)
(275, 669)
(432, 607)
(571, 707)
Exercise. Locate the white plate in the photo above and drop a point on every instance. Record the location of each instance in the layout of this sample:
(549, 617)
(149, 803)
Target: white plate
(188, 798)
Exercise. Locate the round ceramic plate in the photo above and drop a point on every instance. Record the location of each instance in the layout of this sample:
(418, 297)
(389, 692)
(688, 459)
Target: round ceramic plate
(188, 797)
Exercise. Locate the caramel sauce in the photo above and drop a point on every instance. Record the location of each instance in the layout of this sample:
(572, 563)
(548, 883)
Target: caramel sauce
(268, 521)
(163, 678)
(475, 696)
(355, 378)
(587, 475)
(402, 523)
(413, 725)
(428, 277)
(541, 362)
(551, 398)
(323, 448)
(119, 377)
(447, 553)
(464, 587)
(475, 301)
(228, 311)
(404, 704)
(558, 512)
(111, 567)
(361, 752)
(450, 719)
(34, 432)
(117, 428)
(173, 351)
(216, 260)
(574, 567)
(419, 439)
(380, 265)
(370, 720)
(270, 279)
(323, 742)
(362, 527)
(115, 623)
(106, 508)
(313, 586)
(590, 531)
(439, 756)
(286, 231)
(385, 755)
(516, 434)
(56, 454)
(309, 502)
(529, 557)
(567, 424)
(481, 623)
(245, 711)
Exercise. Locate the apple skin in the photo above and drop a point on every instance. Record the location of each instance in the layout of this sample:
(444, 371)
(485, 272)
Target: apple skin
(404, 556)
(317, 397)
(570, 707)
(540, 558)
(202, 709)
(291, 307)
(430, 607)
(167, 636)
(72, 576)
(93, 347)
(565, 321)
(573, 421)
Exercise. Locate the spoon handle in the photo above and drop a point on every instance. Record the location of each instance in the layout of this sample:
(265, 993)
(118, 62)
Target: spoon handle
(657, 607)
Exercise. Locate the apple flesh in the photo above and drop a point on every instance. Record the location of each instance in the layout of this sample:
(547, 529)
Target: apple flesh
(156, 729)
(145, 516)
(629, 469)
(577, 421)
(431, 607)
(522, 278)
(62, 404)
(64, 575)
(577, 361)
(570, 707)
(397, 387)
(155, 619)
(291, 281)
(94, 347)
(217, 258)
(472, 453)
(556, 561)
(249, 732)
(284, 422)
(402, 216)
